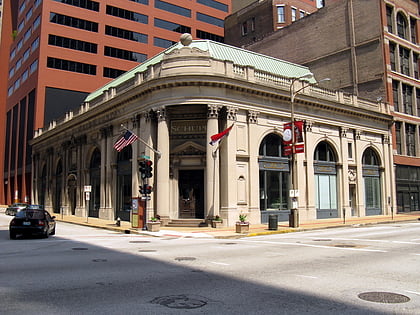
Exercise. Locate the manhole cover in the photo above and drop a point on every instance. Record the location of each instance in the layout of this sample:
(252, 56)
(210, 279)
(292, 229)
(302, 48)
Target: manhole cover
(147, 250)
(384, 297)
(185, 258)
(79, 248)
(228, 243)
(181, 301)
(323, 240)
(137, 242)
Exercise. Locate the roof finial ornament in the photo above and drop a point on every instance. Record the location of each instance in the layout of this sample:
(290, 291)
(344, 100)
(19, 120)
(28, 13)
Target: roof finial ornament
(186, 39)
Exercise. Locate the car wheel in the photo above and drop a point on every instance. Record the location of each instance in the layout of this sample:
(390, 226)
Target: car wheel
(53, 231)
(12, 235)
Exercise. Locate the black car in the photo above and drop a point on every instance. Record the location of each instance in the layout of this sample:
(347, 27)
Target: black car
(32, 222)
(15, 208)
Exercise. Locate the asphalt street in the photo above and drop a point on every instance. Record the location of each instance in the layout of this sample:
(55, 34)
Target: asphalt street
(82, 270)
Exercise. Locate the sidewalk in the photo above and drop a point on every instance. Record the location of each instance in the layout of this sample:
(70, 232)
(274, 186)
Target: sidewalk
(229, 232)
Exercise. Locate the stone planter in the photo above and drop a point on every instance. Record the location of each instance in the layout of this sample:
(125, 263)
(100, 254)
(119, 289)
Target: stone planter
(242, 227)
(216, 224)
(153, 226)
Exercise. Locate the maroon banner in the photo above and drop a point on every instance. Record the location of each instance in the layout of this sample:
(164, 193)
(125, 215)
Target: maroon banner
(298, 137)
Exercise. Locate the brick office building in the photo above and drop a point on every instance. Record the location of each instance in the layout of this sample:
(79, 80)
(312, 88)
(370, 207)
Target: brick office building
(371, 49)
(57, 51)
(251, 21)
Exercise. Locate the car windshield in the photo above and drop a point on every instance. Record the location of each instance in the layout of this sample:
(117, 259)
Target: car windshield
(30, 214)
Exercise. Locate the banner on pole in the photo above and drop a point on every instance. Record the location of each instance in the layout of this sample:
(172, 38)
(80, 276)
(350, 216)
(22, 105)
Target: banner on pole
(298, 137)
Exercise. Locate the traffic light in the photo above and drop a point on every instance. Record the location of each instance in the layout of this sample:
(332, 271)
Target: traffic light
(142, 169)
(148, 168)
(147, 189)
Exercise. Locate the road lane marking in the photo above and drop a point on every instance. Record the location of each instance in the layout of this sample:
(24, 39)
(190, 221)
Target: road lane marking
(219, 263)
(310, 277)
(318, 246)
(413, 292)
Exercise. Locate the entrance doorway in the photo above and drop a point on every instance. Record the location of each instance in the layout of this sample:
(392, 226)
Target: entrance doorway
(191, 196)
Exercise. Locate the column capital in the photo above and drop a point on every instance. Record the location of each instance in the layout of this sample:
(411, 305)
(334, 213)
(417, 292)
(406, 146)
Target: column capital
(231, 112)
(308, 125)
(386, 139)
(343, 132)
(253, 116)
(161, 114)
(213, 111)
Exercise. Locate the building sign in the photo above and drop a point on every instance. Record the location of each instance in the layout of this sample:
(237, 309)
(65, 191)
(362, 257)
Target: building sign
(188, 127)
(288, 138)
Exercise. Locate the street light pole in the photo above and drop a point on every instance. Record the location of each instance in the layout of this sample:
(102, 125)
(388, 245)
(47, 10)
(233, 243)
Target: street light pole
(294, 193)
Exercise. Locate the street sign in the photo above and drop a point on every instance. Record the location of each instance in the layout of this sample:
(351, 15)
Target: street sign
(145, 198)
(293, 193)
(88, 188)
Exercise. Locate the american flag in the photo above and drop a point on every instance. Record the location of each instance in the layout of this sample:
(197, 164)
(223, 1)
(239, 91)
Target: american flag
(125, 140)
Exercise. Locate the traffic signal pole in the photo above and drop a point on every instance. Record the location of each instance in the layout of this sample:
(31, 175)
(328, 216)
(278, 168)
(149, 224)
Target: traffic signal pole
(146, 172)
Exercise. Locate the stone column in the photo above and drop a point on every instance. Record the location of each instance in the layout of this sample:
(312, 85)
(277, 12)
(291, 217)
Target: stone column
(307, 196)
(253, 171)
(212, 164)
(358, 153)
(228, 185)
(103, 174)
(162, 166)
(387, 178)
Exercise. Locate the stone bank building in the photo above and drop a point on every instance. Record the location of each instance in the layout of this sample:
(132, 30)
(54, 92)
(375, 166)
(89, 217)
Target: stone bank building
(175, 102)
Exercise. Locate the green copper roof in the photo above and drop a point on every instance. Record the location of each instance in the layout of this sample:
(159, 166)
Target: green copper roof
(218, 51)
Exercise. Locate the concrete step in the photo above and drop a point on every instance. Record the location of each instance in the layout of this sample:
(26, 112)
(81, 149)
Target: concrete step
(187, 223)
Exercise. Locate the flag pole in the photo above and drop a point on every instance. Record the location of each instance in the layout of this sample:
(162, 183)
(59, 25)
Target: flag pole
(144, 142)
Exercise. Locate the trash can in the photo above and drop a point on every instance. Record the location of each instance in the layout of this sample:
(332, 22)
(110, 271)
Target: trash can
(273, 222)
(294, 218)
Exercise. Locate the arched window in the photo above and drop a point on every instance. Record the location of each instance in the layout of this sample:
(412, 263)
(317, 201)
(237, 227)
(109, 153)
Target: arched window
(124, 188)
(325, 181)
(372, 182)
(95, 183)
(402, 26)
(274, 178)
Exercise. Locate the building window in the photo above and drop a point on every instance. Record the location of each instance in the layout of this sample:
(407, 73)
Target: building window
(71, 43)
(85, 4)
(35, 44)
(407, 98)
(371, 178)
(244, 28)
(325, 181)
(36, 23)
(19, 45)
(389, 11)
(25, 75)
(29, 14)
(294, 14)
(392, 56)
(27, 35)
(71, 66)
(410, 139)
(124, 54)
(210, 36)
(413, 30)
(126, 14)
(13, 53)
(214, 4)
(145, 2)
(11, 72)
(172, 8)
(112, 73)
(416, 65)
(37, 3)
(401, 25)
(18, 64)
(350, 150)
(280, 14)
(274, 174)
(398, 142)
(21, 26)
(404, 61)
(395, 95)
(164, 43)
(73, 22)
(22, 7)
(418, 101)
(210, 19)
(174, 27)
(26, 54)
(126, 34)
(33, 67)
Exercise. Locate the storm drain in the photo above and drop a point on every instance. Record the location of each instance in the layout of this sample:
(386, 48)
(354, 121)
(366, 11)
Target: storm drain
(229, 243)
(147, 250)
(384, 297)
(322, 240)
(181, 301)
(79, 248)
(185, 258)
(99, 260)
(344, 245)
(137, 242)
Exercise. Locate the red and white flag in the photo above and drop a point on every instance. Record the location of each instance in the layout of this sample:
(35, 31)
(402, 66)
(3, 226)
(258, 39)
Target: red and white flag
(125, 140)
(219, 136)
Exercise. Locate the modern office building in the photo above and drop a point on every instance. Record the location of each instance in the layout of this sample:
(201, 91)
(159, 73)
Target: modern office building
(180, 99)
(370, 49)
(58, 51)
(251, 21)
